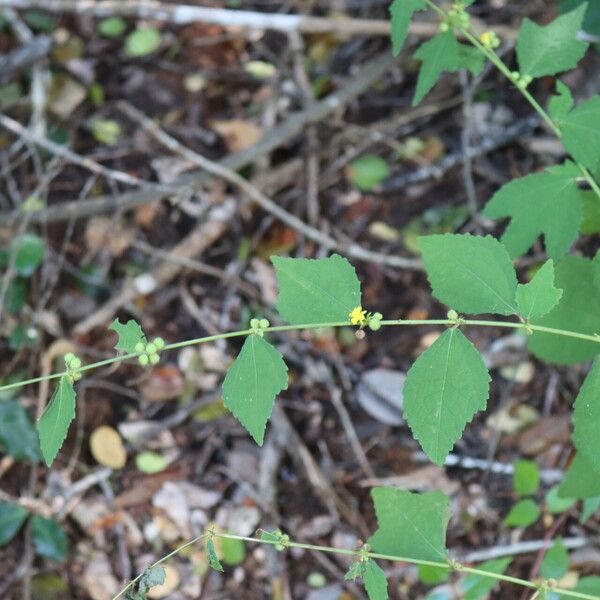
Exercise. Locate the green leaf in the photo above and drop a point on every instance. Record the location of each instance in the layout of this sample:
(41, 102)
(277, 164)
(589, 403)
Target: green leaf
(401, 13)
(578, 310)
(430, 575)
(49, 538)
(581, 480)
(233, 551)
(375, 581)
(470, 58)
(545, 204)
(54, 423)
(12, 517)
(316, 290)
(151, 462)
(129, 334)
(444, 389)
(581, 133)
(150, 578)
(590, 222)
(590, 506)
(591, 23)
(589, 585)
(470, 274)
(410, 525)
(538, 297)
(18, 437)
(213, 559)
(556, 503)
(476, 587)
(522, 514)
(27, 251)
(526, 478)
(16, 295)
(556, 561)
(252, 383)
(142, 41)
(586, 417)
(356, 569)
(112, 27)
(560, 105)
(438, 54)
(106, 131)
(367, 172)
(550, 49)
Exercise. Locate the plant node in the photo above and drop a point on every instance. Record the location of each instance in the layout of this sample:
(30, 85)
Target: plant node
(258, 326)
(73, 364)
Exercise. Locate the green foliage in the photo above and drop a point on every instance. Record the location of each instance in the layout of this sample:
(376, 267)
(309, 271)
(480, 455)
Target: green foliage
(368, 171)
(545, 204)
(526, 478)
(538, 297)
(476, 587)
(556, 561)
(12, 517)
(410, 525)
(233, 552)
(213, 559)
(523, 514)
(150, 578)
(556, 503)
(54, 423)
(18, 437)
(590, 221)
(430, 575)
(150, 462)
(581, 480)
(590, 506)
(142, 41)
(578, 310)
(27, 253)
(130, 334)
(591, 23)
(252, 383)
(106, 131)
(444, 389)
(560, 105)
(470, 274)
(316, 291)
(550, 49)
(49, 538)
(112, 27)
(375, 581)
(586, 417)
(401, 13)
(581, 133)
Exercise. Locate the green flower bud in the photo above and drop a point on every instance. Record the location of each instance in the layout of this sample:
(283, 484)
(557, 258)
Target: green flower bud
(264, 323)
(452, 315)
(154, 359)
(75, 363)
(140, 347)
(444, 27)
(69, 356)
(143, 359)
(151, 348)
(254, 324)
(159, 343)
(374, 325)
(515, 75)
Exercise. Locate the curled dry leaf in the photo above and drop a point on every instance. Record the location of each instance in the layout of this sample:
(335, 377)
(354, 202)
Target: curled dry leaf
(238, 133)
(106, 446)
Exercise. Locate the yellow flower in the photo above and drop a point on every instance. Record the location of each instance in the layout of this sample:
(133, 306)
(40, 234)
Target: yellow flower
(489, 39)
(358, 316)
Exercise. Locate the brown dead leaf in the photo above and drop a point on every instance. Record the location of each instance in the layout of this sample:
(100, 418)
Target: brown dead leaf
(547, 431)
(101, 232)
(107, 447)
(164, 382)
(238, 134)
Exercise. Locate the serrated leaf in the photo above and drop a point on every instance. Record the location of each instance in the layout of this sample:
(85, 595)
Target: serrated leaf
(355, 570)
(470, 274)
(523, 514)
(470, 58)
(550, 49)
(591, 23)
(129, 333)
(578, 310)
(590, 506)
(252, 383)
(561, 104)
(410, 525)
(401, 12)
(213, 559)
(18, 437)
(581, 479)
(316, 290)
(545, 204)
(49, 538)
(444, 389)
(476, 587)
(526, 478)
(12, 517)
(439, 54)
(150, 578)
(556, 561)
(54, 423)
(375, 581)
(538, 297)
(581, 133)
(586, 417)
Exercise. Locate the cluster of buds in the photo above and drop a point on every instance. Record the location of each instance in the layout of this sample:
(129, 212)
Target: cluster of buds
(363, 553)
(148, 351)
(490, 40)
(73, 364)
(258, 326)
(455, 318)
(359, 316)
(521, 81)
(457, 18)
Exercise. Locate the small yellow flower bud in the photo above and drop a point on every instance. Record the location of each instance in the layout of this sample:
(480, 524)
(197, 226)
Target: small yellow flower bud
(358, 316)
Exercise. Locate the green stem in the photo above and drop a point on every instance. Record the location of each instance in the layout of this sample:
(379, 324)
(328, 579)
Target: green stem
(308, 326)
(450, 565)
